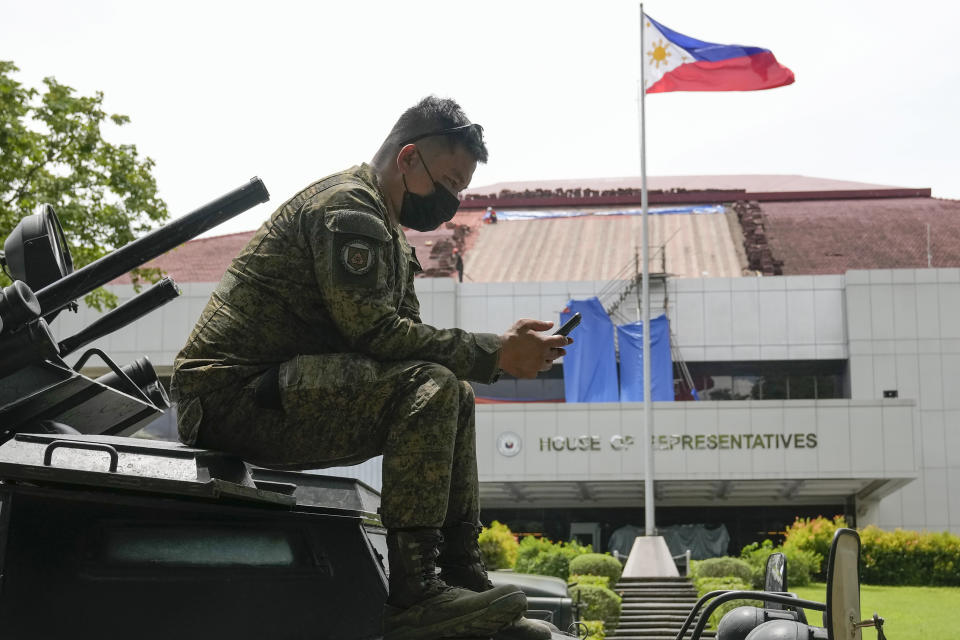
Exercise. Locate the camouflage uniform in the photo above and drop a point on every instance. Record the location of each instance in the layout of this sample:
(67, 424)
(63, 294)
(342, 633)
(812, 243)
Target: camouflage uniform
(324, 291)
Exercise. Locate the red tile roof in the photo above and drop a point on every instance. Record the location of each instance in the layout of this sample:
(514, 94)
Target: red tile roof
(835, 236)
(200, 260)
(206, 259)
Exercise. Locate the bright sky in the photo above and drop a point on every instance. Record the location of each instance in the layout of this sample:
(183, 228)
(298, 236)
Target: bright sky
(292, 91)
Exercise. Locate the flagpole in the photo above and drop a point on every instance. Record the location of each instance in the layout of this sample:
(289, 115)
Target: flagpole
(648, 497)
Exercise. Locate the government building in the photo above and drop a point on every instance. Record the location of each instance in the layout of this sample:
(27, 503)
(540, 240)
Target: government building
(813, 340)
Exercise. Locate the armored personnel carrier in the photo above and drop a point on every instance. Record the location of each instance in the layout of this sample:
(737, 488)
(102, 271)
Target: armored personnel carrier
(106, 535)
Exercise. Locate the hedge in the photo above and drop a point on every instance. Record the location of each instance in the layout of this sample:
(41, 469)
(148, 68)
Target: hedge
(595, 630)
(597, 564)
(816, 535)
(722, 567)
(582, 578)
(801, 564)
(909, 558)
(597, 603)
(540, 556)
(498, 546)
(899, 557)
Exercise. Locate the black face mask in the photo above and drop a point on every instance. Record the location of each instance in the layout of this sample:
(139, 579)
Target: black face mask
(426, 213)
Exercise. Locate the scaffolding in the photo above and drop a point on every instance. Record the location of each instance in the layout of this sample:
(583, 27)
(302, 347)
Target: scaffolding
(620, 292)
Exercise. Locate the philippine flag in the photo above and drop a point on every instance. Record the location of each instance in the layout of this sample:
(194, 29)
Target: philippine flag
(675, 62)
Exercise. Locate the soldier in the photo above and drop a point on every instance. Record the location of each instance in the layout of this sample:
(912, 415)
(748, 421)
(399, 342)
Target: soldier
(311, 353)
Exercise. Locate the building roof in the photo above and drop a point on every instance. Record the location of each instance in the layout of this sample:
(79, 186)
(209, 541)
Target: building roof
(838, 225)
(206, 259)
(836, 236)
(200, 260)
(677, 190)
(749, 183)
(603, 248)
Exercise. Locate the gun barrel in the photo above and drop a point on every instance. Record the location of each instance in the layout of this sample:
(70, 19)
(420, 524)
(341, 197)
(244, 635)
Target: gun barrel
(135, 308)
(82, 281)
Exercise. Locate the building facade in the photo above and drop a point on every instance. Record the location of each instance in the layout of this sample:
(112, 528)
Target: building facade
(824, 378)
(881, 445)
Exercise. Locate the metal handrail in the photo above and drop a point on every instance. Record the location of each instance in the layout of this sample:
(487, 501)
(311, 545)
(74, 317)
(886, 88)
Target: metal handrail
(686, 558)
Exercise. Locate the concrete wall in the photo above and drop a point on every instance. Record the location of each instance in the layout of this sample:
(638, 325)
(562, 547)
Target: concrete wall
(159, 335)
(713, 319)
(904, 331)
(781, 318)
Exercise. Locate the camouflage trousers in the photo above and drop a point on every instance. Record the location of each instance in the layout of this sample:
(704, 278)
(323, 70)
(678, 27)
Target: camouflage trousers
(342, 409)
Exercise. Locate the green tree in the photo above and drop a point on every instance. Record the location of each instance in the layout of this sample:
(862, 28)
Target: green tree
(52, 151)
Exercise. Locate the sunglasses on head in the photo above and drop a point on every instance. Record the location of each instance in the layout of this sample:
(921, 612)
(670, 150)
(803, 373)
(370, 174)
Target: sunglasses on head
(465, 128)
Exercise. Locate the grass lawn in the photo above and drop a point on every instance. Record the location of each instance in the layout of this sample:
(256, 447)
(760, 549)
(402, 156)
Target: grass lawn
(910, 613)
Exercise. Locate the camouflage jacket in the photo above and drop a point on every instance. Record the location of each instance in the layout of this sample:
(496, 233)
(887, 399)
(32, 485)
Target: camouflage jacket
(327, 273)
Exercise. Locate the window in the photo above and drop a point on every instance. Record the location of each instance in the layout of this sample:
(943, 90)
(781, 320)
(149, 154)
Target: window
(197, 546)
(768, 380)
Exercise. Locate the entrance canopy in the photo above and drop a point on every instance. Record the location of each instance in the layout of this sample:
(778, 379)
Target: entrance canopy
(707, 493)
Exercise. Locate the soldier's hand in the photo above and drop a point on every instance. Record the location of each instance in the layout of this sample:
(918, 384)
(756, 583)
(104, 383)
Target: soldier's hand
(525, 352)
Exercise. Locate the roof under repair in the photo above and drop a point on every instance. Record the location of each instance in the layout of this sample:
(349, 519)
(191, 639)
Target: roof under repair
(767, 225)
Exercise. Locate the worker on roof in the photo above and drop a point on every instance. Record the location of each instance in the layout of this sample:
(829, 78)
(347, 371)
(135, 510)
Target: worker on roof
(458, 263)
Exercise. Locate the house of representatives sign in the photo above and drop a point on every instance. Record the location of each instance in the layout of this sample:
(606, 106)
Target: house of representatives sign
(675, 442)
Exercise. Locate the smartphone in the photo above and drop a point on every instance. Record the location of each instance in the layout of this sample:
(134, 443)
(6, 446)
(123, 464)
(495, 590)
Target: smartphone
(569, 325)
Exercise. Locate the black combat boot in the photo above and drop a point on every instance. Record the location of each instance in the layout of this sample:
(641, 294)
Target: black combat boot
(461, 565)
(421, 607)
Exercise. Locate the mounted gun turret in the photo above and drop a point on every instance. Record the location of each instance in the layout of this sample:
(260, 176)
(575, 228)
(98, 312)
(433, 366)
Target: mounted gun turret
(39, 391)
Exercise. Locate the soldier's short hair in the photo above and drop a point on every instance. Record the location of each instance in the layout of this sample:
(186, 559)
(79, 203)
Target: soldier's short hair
(438, 116)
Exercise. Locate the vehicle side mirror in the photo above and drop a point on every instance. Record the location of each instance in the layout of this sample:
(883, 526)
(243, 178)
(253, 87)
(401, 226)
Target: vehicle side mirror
(737, 624)
(775, 576)
(843, 587)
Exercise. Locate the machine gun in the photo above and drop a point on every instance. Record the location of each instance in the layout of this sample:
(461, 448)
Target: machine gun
(39, 391)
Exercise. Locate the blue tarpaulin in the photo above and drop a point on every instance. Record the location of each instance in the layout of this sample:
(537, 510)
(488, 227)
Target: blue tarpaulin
(590, 366)
(630, 337)
(540, 214)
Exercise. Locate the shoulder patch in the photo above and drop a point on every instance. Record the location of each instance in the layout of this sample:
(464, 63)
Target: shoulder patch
(355, 260)
(358, 257)
(358, 223)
